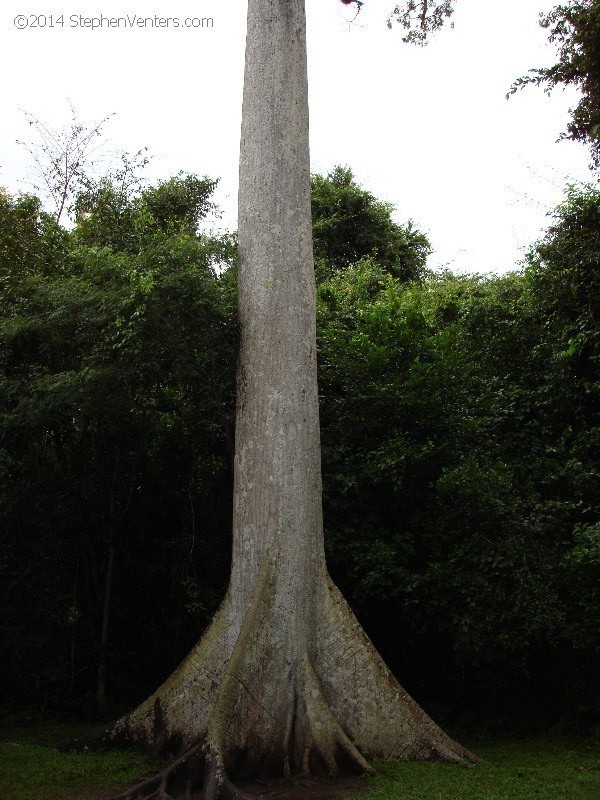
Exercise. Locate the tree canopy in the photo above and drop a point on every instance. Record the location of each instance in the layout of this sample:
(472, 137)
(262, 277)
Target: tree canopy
(349, 224)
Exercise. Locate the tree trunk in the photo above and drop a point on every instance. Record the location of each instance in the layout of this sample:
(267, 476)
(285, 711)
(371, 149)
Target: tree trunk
(284, 682)
(104, 639)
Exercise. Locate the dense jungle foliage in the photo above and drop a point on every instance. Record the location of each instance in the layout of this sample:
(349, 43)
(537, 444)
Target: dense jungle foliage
(460, 442)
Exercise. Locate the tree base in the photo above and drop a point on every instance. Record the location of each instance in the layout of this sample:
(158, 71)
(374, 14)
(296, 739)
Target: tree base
(197, 773)
(260, 701)
(195, 776)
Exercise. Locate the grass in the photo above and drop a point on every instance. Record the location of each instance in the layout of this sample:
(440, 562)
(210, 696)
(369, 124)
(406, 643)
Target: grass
(539, 769)
(30, 769)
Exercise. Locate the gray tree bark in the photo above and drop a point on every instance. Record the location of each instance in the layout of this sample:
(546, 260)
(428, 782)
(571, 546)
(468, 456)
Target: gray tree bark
(284, 682)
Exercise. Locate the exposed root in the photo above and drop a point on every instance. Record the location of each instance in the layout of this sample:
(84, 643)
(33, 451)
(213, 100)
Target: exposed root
(328, 750)
(376, 712)
(200, 769)
(257, 701)
(172, 719)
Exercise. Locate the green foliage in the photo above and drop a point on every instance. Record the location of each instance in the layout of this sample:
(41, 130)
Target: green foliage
(575, 30)
(107, 214)
(564, 276)
(110, 429)
(582, 571)
(460, 446)
(349, 223)
(460, 441)
(421, 18)
(29, 240)
(177, 205)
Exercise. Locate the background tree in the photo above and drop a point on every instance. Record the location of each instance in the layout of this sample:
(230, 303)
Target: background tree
(102, 411)
(64, 159)
(349, 223)
(575, 30)
(420, 18)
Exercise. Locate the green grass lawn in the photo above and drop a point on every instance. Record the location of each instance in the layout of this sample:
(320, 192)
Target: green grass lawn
(30, 769)
(517, 770)
(539, 769)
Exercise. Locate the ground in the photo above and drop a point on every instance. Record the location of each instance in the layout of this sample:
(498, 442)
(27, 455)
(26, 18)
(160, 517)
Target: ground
(527, 769)
(303, 790)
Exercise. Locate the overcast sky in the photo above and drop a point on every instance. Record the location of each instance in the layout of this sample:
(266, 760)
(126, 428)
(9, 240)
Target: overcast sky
(427, 129)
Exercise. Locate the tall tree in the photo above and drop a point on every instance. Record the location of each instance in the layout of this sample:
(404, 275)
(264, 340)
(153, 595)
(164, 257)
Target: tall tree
(284, 681)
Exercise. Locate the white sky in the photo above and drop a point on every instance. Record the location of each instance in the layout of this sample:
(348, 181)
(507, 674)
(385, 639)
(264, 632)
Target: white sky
(427, 129)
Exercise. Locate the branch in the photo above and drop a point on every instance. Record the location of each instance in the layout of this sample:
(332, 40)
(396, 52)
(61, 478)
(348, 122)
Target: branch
(420, 18)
